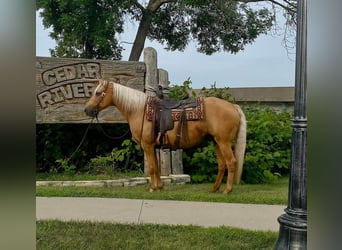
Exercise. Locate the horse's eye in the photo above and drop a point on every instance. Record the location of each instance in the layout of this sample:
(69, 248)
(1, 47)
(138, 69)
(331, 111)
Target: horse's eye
(98, 93)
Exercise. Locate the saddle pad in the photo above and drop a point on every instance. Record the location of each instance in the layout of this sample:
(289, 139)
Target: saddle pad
(192, 114)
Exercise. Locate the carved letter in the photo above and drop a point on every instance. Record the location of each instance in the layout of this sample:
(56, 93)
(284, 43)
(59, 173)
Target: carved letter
(70, 72)
(82, 71)
(88, 88)
(94, 70)
(49, 78)
(44, 98)
(66, 91)
(57, 98)
(60, 76)
(78, 90)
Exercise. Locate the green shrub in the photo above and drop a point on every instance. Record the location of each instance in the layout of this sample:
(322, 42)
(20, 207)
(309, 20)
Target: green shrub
(179, 92)
(268, 144)
(102, 165)
(59, 141)
(201, 162)
(63, 165)
(129, 156)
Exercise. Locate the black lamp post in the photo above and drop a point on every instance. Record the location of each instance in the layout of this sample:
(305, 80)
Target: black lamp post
(293, 224)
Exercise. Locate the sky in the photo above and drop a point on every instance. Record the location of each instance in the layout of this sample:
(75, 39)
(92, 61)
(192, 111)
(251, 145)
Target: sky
(264, 63)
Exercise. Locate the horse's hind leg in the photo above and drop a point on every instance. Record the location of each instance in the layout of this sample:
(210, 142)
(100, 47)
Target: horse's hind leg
(229, 158)
(221, 169)
(231, 171)
(151, 158)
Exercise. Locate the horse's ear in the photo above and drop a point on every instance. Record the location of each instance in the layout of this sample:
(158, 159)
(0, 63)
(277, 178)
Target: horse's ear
(104, 83)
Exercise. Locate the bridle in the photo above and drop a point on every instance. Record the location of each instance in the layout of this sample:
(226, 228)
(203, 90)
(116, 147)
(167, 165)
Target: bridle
(102, 95)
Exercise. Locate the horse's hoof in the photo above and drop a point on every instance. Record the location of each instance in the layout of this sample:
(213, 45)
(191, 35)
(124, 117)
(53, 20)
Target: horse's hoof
(227, 191)
(155, 190)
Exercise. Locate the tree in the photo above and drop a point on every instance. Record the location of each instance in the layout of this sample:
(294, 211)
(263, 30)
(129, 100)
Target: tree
(84, 28)
(87, 28)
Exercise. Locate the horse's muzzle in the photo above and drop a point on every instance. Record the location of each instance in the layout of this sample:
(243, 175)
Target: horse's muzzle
(91, 111)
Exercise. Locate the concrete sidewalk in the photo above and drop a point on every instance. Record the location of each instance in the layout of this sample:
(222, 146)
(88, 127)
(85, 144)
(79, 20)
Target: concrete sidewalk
(207, 214)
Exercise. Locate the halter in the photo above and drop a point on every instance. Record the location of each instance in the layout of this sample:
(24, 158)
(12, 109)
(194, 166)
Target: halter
(102, 95)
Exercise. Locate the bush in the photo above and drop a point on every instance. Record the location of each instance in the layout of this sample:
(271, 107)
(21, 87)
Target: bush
(56, 145)
(268, 144)
(201, 162)
(126, 158)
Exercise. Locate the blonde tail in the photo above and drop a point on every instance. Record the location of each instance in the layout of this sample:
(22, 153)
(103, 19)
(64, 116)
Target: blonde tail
(240, 145)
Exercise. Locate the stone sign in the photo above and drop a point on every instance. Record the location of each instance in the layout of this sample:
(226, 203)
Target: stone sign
(64, 85)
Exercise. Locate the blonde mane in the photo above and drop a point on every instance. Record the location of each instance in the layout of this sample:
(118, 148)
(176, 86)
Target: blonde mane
(129, 99)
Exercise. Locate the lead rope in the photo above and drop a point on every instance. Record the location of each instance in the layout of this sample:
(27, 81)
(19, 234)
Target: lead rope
(109, 136)
(82, 140)
(79, 145)
(85, 135)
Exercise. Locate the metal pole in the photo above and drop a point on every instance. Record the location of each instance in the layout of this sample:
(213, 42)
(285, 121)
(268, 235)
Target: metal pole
(293, 224)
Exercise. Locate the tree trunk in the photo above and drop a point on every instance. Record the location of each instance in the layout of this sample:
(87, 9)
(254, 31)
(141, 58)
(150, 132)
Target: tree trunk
(140, 38)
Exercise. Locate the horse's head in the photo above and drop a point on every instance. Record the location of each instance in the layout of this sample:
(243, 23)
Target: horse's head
(101, 98)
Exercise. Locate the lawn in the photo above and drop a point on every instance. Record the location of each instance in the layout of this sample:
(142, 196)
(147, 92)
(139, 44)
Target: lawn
(272, 193)
(87, 235)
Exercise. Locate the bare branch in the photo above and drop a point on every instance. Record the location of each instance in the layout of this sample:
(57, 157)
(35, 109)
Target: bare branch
(283, 6)
(274, 2)
(291, 4)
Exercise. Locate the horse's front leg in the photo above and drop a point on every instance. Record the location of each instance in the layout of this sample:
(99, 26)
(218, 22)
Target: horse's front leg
(156, 183)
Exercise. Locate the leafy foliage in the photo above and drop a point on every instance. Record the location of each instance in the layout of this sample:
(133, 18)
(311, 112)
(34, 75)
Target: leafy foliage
(56, 143)
(84, 28)
(268, 144)
(222, 93)
(215, 25)
(179, 92)
(126, 158)
(88, 28)
(129, 157)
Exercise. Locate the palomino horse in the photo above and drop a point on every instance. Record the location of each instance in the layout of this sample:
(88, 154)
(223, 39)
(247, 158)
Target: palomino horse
(223, 121)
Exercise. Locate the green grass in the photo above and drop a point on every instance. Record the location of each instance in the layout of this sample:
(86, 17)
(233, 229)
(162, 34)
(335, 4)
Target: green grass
(87, 235)
(86, 177)
(273, 193)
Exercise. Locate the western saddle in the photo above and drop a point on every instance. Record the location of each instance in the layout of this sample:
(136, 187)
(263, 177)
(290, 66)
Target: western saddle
(163, 120)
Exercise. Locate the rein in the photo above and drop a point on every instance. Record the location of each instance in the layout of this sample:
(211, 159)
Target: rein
(109, 136)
